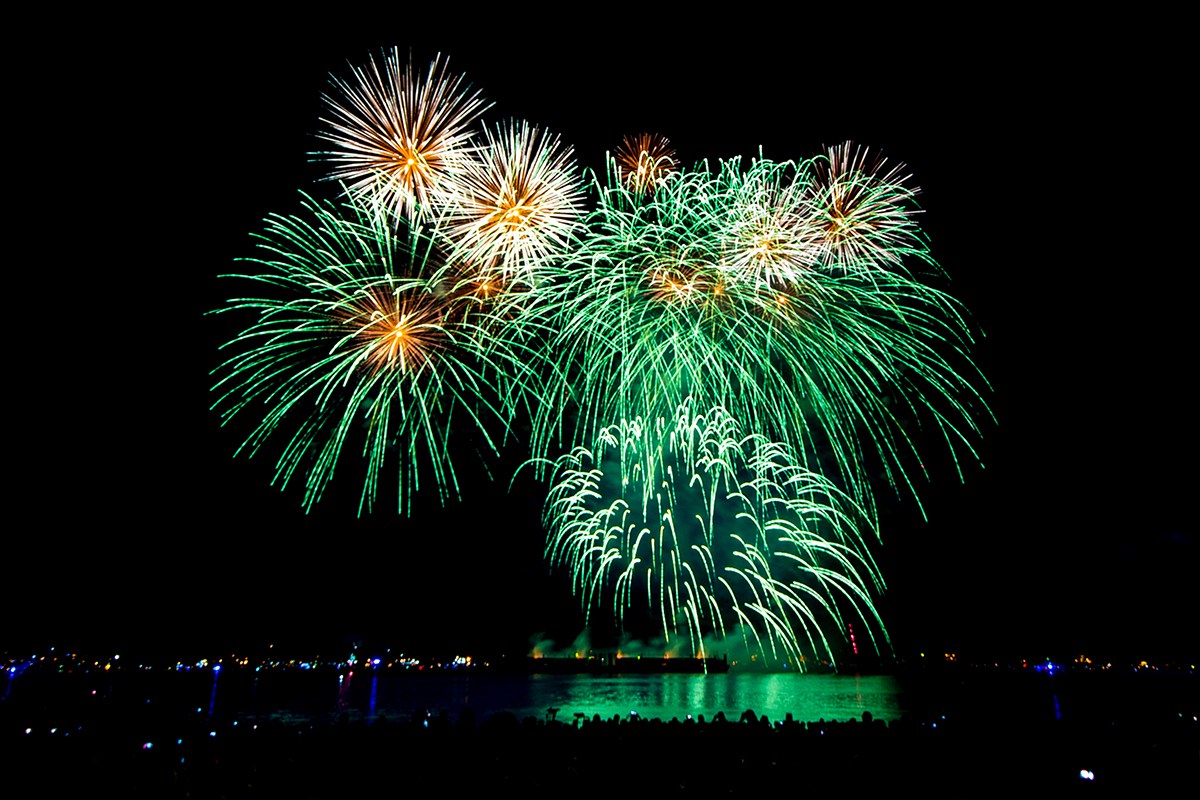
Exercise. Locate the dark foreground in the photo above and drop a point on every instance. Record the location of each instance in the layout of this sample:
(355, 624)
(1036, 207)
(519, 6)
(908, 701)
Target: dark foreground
(67, 731)
(127, 756)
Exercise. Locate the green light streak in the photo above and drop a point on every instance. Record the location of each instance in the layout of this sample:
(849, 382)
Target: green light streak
(769, 553)
(665, 301)
(364, 339)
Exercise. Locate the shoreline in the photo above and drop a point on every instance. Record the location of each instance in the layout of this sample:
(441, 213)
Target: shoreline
(147, 756)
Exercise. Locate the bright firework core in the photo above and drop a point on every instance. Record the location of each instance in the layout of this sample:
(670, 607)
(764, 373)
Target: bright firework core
(398, 332)
(398, 138)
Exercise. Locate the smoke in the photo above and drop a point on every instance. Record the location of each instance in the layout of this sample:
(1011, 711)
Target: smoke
(542, 646)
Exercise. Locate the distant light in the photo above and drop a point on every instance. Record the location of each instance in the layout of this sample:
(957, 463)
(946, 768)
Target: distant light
(216, 668)
(179, 741)
(1087, 775)
(212, 734)
(29, 730)
(147, 745)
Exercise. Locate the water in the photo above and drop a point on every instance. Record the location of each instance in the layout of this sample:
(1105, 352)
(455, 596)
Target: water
(367, 695)
(298, 696)
(806, 697)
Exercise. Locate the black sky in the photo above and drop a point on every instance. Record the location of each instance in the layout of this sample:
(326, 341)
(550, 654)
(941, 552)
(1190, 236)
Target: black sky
(1044, 148)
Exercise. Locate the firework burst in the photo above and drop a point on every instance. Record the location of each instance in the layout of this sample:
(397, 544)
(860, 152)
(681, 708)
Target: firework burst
(717, 365)
(643, 161)
(363, 340)
(769, 229)
(652, 309)
(398, 138)
(518, 206)
(866, 211)
(688, 526)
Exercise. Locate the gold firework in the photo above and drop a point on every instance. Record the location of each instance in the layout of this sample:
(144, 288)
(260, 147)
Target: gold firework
(645, 160)
(866, 210)
(399, 139)
(518, 206)
(396, 328)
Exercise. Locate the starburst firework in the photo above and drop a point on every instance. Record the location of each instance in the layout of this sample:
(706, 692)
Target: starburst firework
(651, 310)
(866, 211)
(399, 139)
(645, 160)
(769, 230)
(363, 339)
(518, 205)
(716, 364)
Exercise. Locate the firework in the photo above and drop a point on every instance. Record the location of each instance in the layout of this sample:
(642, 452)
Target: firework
(644, 161)
(399, 139)
(841, 212)
(518, 206)
(770, 230)
(866, 211)
(655, 307)
(364, 341)
(710, 535)
(716, 364)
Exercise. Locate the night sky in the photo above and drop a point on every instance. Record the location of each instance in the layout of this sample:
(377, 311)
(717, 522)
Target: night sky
(1044, 149)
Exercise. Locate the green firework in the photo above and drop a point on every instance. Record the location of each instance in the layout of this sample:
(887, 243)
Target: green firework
(688, 525)
(718, 364)
(675, 295)
(366, 343)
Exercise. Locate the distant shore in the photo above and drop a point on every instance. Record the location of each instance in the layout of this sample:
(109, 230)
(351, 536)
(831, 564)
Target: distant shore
(1144, 733)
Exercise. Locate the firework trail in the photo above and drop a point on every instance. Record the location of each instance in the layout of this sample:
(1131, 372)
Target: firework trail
(364, 340)
(399, 139)
(710, 534)
(672, 297)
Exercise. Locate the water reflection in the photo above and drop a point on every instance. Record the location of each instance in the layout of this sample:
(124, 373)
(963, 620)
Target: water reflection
(212, 698)
(374, 697)
(806, 697)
